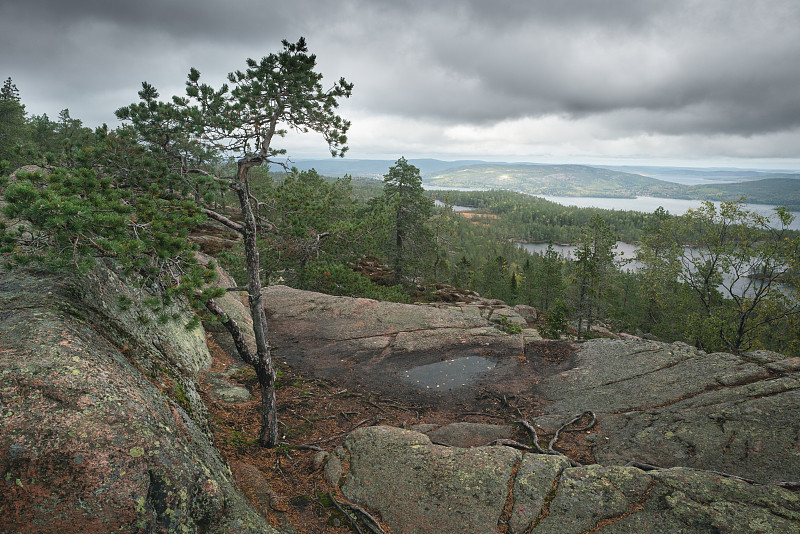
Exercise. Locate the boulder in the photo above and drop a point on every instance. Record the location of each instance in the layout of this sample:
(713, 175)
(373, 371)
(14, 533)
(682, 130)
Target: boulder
(101, 427)
(528, 313)
(505, 316)
(417, 487)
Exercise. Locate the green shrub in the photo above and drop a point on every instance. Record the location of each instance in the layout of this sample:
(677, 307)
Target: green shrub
(339, 279)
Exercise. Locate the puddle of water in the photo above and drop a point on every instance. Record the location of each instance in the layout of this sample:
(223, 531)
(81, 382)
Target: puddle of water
(449, 374)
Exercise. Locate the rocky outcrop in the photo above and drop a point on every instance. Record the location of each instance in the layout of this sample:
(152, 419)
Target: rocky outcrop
(418, 487)
(670, 405)
(721, 428)
(101, 427)
(656, 403)
(365, 341)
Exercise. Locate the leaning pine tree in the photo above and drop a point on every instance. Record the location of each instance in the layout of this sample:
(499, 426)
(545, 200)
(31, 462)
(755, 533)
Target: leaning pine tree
(191, 133)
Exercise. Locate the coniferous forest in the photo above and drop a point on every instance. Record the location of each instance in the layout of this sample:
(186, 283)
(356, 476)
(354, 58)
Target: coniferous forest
(719, 277)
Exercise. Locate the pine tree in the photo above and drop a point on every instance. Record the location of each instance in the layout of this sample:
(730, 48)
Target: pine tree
(594, 270)
(279, 92)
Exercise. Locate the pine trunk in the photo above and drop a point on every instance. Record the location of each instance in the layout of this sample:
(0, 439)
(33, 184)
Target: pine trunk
(263, 365)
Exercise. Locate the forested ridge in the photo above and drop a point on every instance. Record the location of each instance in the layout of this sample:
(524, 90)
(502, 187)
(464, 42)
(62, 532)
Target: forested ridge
(120, 193)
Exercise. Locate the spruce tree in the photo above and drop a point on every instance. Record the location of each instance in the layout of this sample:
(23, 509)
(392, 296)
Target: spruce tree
(13, 127)
(408, 211)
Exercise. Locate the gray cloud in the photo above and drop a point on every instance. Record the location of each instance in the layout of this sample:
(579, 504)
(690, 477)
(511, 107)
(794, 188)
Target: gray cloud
(723, 68)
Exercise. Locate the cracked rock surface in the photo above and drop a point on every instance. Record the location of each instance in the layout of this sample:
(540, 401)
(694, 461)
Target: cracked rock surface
(698, 416)
(669, 405)
(418, 487)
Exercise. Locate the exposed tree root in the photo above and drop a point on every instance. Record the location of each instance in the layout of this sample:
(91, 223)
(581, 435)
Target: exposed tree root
(368, 520)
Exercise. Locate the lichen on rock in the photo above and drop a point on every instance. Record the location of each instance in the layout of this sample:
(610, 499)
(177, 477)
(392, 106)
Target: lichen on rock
(91, 439)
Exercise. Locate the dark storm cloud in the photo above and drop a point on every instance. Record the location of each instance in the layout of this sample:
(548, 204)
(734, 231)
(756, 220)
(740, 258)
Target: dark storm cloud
(85, 54)
(636, 67)
(734, 61)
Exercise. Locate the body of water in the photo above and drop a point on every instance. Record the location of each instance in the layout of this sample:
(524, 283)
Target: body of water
(625, 253)
(449, 374)
(625, 256)
(674, 206)
(440, 204)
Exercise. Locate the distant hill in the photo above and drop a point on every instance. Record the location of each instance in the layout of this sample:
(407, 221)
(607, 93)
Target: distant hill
(586, 181)
(772, 191)
(759, 187)
(558, 180)
(679, 174)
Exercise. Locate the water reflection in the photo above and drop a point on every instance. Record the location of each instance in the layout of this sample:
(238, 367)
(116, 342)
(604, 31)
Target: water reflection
(449, 374)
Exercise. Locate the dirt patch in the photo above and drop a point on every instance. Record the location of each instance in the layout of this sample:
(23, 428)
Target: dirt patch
(318, 413)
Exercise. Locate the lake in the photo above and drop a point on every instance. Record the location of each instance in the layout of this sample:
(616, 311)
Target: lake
(623, 253)
(440, 204)
(625, 256)
(674, 206)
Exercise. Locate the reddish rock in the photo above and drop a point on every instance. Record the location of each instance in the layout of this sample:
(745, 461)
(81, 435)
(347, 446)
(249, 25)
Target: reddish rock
(100, 426)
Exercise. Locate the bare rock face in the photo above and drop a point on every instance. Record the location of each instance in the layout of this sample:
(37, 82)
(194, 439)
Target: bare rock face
(657, 403)
(417, 487)
(669, 405)
(704, 419)
(101, 427)
(370, 342)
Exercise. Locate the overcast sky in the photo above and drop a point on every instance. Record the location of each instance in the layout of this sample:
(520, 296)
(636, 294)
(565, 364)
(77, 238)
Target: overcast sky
(705, 82)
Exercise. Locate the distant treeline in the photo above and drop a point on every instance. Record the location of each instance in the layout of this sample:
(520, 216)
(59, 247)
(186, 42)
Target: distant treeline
(528, 218)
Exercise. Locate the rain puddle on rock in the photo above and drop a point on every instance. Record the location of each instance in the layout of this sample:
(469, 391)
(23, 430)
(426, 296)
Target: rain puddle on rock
(449, 374)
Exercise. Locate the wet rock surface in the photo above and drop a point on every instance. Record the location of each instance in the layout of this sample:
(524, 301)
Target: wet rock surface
(369, 343)
(656, 403)
(101, 427)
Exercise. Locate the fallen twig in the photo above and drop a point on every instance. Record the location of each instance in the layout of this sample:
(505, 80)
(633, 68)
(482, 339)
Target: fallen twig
(373, 404)
(395, 404)
(481, 414)
(510, 443)
(302, 447)
(337, 436)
